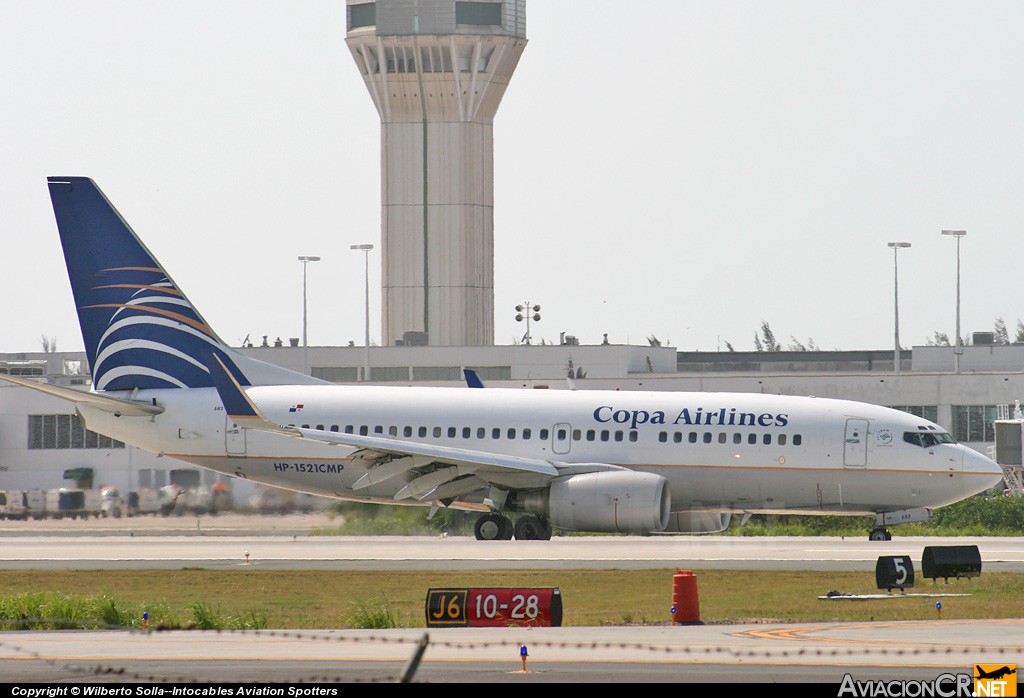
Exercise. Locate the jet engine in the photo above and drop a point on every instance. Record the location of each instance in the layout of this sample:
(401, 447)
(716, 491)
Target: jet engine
(607, 502)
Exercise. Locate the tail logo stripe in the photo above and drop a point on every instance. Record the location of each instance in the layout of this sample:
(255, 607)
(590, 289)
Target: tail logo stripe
(115, 347)
(162, 289)
(156, 321)
(133, 371)
(157, 311)
(155, 270)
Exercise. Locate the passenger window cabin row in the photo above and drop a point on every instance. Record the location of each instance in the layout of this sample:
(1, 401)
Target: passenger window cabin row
(737, 438)
(437, 432)
(561, 434)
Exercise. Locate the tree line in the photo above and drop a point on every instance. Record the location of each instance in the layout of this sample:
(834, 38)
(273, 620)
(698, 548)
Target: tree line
(765, 340)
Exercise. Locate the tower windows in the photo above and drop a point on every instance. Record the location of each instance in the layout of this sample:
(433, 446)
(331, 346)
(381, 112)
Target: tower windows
(480, 14)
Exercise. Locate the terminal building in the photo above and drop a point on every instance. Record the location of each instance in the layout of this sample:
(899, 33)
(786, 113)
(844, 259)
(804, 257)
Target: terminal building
(42, 442)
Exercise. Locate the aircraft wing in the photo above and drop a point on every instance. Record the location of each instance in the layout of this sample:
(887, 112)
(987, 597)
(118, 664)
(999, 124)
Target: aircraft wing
(380, 445)
(452, 470)
(107, 403)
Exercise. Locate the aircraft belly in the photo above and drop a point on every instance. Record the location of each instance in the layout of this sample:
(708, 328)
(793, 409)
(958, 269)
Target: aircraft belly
(322, 476)
(810, 490)
(870, 492)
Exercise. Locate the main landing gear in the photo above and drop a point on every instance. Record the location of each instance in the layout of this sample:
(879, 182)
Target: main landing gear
(879, 534)
(493, 527)
(499, 527)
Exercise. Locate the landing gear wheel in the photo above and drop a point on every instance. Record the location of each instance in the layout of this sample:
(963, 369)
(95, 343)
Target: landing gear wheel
(879, 534)
(532, 528)
(493, 527)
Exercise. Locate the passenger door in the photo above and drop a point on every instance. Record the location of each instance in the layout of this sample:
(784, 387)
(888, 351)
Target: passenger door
(234, 437)
(855, 444)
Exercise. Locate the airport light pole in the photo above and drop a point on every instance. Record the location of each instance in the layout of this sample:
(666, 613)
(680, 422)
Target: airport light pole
(958, 348)
(896, 246)
(532, 313)
(305, 259)
(366, 346)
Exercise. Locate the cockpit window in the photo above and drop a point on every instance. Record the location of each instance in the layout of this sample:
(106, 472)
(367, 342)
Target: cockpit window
(928, 439)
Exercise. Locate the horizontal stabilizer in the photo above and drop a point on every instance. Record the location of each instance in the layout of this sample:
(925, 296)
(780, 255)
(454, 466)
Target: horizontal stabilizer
(107, 403)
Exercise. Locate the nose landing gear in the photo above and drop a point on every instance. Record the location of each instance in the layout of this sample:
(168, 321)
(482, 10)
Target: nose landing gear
(879, 534)
(889, 518)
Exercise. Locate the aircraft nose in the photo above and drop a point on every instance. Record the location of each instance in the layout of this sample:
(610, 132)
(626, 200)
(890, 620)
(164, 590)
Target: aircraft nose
(988, 471)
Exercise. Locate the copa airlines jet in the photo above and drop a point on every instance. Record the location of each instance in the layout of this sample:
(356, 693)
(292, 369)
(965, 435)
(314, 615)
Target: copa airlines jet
(578, 460)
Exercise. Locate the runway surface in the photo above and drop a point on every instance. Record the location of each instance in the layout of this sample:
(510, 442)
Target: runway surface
(819, 653)
(418, 552)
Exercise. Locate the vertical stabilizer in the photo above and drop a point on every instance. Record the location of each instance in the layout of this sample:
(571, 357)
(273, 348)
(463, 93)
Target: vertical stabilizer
(140, 330)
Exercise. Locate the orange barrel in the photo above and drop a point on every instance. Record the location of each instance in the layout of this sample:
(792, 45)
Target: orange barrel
(685, 604)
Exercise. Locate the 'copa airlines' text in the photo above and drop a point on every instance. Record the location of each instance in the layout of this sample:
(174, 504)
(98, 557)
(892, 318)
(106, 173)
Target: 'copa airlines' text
(721, 417)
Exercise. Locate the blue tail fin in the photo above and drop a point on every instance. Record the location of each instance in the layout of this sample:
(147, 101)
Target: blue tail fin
(472, 378)
(140, 330)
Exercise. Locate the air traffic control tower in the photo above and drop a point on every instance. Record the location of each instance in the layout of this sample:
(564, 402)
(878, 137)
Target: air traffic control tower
(437, 70)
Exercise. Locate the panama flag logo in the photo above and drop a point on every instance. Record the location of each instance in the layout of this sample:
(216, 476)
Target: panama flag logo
(296, 408)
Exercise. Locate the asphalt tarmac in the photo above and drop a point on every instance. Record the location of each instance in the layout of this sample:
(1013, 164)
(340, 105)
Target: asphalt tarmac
(806, 653)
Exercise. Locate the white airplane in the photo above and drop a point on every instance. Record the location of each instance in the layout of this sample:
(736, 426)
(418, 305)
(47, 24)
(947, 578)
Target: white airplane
(598, 461)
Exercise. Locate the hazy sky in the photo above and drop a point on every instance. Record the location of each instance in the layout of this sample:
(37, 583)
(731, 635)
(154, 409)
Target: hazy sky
(679, 169)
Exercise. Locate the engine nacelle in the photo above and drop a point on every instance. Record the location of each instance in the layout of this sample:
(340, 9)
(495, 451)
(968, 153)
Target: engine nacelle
(609, 502)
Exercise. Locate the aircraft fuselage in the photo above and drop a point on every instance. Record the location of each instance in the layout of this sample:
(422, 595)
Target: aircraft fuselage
(717, 451)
